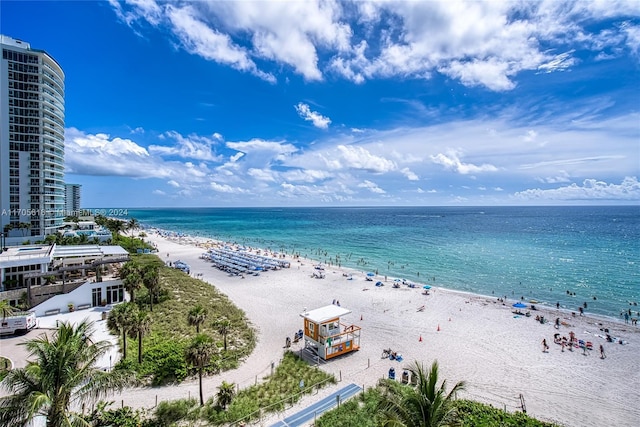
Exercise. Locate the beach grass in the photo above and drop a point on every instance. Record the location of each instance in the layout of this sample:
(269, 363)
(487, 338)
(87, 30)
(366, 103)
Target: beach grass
(363, 411)
(275, 392)
(170, 332)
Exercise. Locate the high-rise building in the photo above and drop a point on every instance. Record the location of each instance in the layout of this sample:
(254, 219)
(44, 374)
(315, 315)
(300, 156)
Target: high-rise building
(72, 199)
(32, 187)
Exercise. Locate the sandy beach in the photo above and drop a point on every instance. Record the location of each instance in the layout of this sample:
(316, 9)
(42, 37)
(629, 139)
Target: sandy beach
(475, 338)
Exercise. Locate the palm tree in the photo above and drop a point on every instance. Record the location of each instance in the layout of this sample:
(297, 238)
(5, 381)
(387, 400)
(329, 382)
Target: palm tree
(226, 393)
(427, 405)
(197, 316)
(140, 327)
(131, 278)
(116, 227)
(24, 226)
(223, 326)
(198, 354)
(151, 280)
(61, 372)
(6, 309)
(122, 319)
(132, 225)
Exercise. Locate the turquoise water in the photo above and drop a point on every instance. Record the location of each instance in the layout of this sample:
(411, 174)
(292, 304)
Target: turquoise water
(543, 253)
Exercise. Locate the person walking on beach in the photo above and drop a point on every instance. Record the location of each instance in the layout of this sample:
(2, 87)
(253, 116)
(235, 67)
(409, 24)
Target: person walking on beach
(602, 355)
(545, 347)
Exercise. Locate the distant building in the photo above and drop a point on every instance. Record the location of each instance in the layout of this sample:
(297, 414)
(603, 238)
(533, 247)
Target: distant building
(32, 112)
(72, 199)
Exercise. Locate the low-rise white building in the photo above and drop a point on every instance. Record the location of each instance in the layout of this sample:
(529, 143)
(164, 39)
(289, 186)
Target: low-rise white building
(34, 274)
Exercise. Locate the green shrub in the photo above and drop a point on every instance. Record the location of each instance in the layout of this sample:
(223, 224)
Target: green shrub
(475, 414)
(168, 413)
(164, 360)
(119, 417)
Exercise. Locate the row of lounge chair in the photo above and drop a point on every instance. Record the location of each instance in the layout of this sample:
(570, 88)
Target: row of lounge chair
(241, 262)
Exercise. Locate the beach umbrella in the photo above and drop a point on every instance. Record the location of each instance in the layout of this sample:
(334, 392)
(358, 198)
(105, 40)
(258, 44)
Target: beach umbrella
(370, 274)
(426, 287)
(519, 305)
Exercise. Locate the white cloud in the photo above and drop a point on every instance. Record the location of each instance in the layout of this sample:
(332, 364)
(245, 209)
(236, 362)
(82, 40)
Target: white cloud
(451, 161)
(591, 189)
(355, 157)
(200, 39)
(191, 147)
(561, 177)
(557, 63)
(225, 188)
(371, 186)
(338, 167)
(409, 174)
(492, 73)
(530, 136)
(484, 43)
(314, 117)
(99, 154)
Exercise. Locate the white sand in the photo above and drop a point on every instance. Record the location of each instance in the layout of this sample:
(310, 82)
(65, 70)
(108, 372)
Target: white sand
(479, 341)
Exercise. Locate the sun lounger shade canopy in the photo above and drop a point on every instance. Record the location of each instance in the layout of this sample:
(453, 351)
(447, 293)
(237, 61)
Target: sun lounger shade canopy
(323, 314)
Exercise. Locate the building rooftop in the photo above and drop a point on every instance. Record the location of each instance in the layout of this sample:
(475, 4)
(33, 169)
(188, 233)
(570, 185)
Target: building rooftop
(323, 314)
(26, 253)
(93, 251)
(44, 254)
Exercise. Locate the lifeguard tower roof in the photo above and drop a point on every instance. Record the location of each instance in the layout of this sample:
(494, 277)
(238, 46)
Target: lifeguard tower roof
(323, 314)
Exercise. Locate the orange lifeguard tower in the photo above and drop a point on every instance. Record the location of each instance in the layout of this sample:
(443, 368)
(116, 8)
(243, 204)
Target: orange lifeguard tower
(326, 335)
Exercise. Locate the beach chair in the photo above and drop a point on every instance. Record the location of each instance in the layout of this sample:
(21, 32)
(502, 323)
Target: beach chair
(589, 345)
(405, 377)
(392, 373)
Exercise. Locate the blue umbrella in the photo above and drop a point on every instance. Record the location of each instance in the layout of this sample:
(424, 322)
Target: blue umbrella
(426, 287)
(519, 305)
(370, 274)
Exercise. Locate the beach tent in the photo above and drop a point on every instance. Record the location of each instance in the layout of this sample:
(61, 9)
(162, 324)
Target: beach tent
(519, 305)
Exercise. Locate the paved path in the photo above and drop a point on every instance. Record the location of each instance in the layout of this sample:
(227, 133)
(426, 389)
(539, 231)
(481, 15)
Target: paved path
(320, 407)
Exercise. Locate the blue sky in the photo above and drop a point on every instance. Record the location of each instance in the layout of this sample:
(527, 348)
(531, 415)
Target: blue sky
(328, 103)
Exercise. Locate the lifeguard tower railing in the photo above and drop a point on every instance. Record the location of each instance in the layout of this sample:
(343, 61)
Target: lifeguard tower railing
(337, 343)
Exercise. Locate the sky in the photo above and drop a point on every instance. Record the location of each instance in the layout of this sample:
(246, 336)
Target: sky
(331, 103)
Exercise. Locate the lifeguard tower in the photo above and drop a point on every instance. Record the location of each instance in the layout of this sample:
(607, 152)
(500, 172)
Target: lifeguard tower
(324, 333)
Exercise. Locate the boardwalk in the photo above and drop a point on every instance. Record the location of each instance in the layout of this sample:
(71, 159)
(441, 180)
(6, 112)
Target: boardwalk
(318, 408)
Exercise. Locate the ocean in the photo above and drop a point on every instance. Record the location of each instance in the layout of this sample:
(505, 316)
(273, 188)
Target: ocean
(565, 255)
